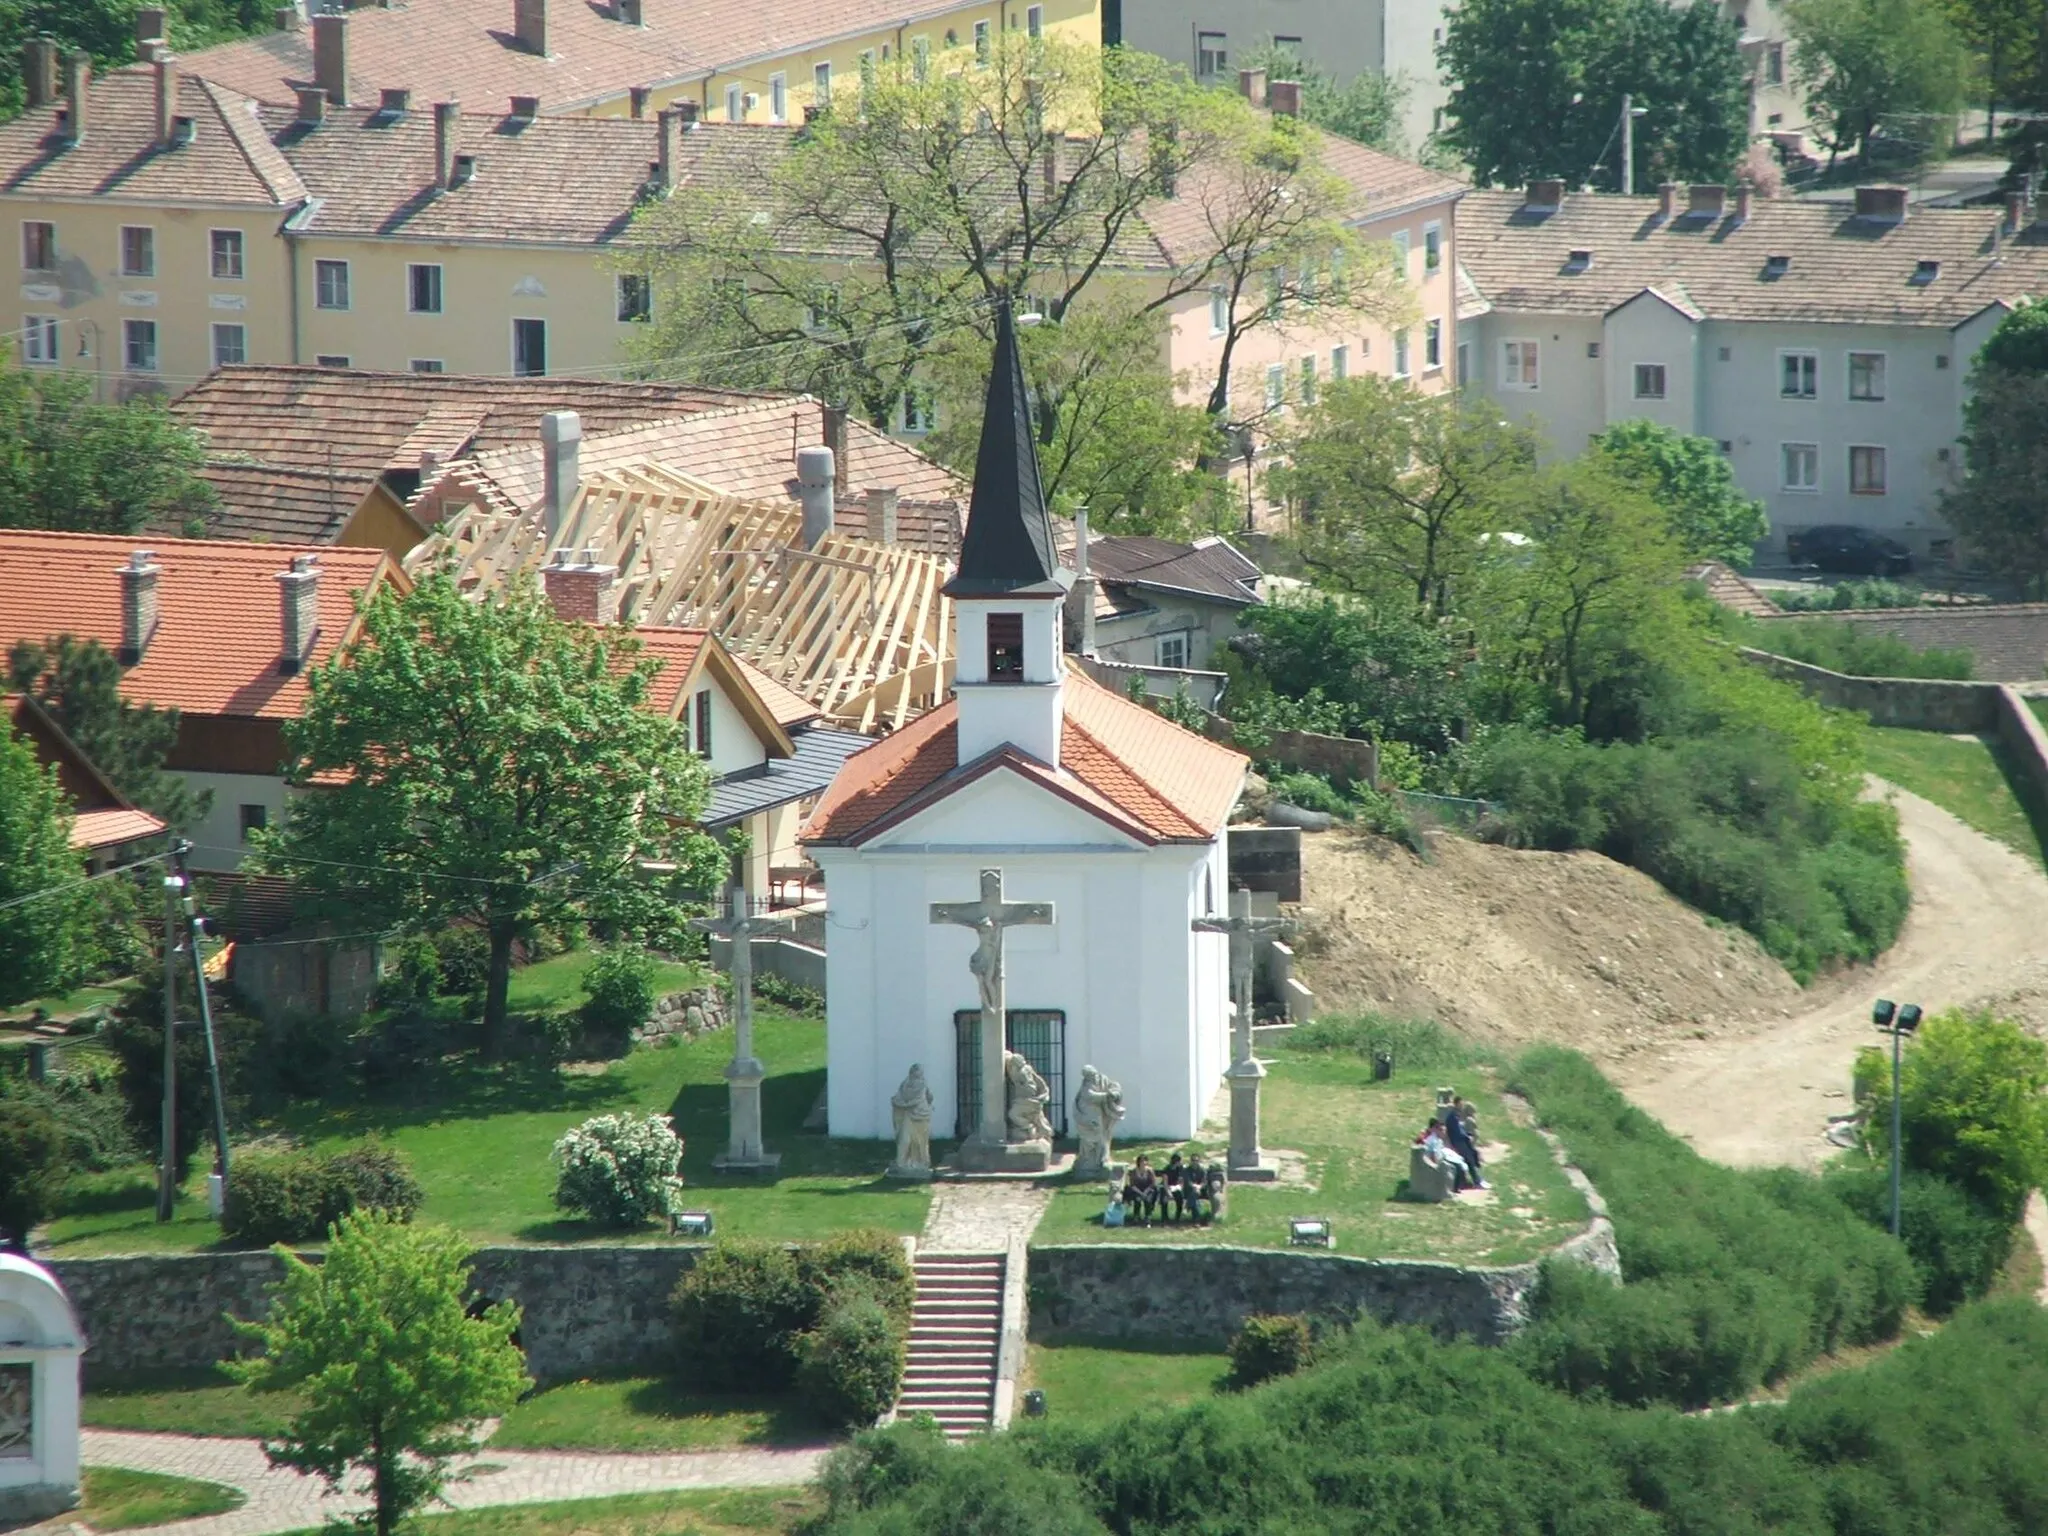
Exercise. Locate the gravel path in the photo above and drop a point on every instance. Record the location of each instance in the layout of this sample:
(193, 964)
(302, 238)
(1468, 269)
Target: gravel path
(280, 1500)
(981, 1216)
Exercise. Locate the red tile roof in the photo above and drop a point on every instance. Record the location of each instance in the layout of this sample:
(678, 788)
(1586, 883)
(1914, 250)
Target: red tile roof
(677, 651)
(216, 646)
(101, 816)
(787, 705)
(1157, 781)
(105, 829)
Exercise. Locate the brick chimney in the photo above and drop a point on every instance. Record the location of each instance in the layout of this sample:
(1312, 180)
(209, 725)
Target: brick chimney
(1667, 200)
(77, 94)
(815, 476)
(561, 456)
(1706, 200)
(581, 590)
(1544, 195)
(312, 105)
(298, 612)
(149, 25)
(285, 18)
(1745, 194)
(394, 101)
(39, 71)
(138, 604)
(835, 439)
(447, 119)
(2017, 216)
(1881, 205)
(1284, 97)
(330, 57)
(1251, 85)
(636, 98)
(166, 99)
(530, 25)
(525, 108)
(629, 11)
(668, 148)
(881, 500)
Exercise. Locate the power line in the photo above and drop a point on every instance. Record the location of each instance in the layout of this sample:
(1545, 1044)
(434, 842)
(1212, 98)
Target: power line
(72, 885)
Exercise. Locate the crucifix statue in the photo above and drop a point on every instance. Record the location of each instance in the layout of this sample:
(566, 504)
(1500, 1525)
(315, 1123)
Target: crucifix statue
(744, 1152)
(989, 1149)
(1247, 1161)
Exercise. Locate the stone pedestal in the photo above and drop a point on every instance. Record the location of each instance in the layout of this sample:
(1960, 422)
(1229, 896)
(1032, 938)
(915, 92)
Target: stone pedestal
(981, 1155)
(744, 1153)
(1248, 1163)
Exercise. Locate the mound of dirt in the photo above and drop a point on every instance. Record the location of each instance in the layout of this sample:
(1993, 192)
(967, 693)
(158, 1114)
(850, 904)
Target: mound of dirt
(1510, 947)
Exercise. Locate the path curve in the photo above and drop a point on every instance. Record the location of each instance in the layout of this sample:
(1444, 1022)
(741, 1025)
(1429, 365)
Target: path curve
(279, 1500)
(1978, 928)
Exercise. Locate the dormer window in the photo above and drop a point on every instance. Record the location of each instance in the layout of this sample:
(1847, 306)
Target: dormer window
(1777, 266)
(1006, 647)
(1925, 272)
(1577, 262)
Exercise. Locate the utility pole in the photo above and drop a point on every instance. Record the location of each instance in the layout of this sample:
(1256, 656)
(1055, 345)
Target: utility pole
(1629, 114)
(167, 1172)
(220, 1114)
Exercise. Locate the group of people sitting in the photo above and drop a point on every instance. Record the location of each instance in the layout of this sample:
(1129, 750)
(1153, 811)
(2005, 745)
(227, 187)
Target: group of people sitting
(1183, 1188)
(1452, 1138)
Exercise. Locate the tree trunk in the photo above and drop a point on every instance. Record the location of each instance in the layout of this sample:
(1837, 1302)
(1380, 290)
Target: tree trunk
(384, 1496)
(497, 988)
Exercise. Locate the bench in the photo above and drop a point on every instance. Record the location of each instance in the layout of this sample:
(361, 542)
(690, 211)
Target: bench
(1434, 1182)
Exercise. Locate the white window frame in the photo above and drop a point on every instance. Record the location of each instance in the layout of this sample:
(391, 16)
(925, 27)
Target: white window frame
(982, 45)
(1432, 346)
(47, 240)
(1212, 55)
(920, 411)
(427, 365)
(1404, 247)
(1521, 364)
(1647, 373)
(1849, 363)
(331, 276)
(413, 269)
(133, 332)
(1308, 379)
(39, 341)
(1884, 486)
(1173, 650)
(229, 243)
(1786, 483)
(778, 98)
(1784, 356)
(1433, 246)
(1340, 362)
(147, 266)
(219, 332)
(1219, 311)
(642, 309)
(1034, 22)
(821, 85)
(513, 342)
(1276, 387)
(1402, 361)
(735, 104)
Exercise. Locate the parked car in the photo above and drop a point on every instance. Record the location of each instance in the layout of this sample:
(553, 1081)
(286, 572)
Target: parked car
(1855, 551)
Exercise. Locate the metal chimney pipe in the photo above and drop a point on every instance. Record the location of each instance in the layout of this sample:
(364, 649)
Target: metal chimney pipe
(1084, 583)
(166, 98)
(814, 474)
(447, 119)
(561, 449)
(77, 90)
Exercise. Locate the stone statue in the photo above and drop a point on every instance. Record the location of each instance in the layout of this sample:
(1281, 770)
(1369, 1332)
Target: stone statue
(911, 1109)
(1028, 1098)
(1098, 1106)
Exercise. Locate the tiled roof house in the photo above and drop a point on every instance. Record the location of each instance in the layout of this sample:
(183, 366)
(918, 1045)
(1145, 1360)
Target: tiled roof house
(103, 820)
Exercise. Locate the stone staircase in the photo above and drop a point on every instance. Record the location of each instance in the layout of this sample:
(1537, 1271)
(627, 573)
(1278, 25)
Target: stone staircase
(955, 1333)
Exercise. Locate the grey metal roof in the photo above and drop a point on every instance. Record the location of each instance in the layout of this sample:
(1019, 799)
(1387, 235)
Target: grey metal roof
(819, 752)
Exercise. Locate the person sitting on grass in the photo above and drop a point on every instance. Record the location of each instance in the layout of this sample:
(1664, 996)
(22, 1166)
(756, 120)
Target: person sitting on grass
(1172, 1184)
(1458, 1136)
(1436, 1150)
(1141, 1191)
(1212, 1195)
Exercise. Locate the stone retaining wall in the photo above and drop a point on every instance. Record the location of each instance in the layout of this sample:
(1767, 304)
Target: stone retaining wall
(587, 1310)
(687, 1014)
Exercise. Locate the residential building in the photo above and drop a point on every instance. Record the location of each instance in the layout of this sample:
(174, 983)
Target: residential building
(1160, 603)
(1110, 813)
(752, 60)
(1826, 348)
(104, 822)
(325, 456)
(224, 633)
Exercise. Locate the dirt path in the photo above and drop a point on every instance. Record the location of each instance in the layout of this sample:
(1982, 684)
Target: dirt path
(1978, 933)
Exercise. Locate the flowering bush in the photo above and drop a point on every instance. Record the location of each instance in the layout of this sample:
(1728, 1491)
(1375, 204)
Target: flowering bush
(619, 1169)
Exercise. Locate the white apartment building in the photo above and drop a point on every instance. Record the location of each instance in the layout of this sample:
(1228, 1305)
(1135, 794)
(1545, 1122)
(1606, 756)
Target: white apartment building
(1825, 347)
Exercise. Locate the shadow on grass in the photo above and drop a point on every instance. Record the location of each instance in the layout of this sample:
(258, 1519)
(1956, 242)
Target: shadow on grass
(788, 1422)
(459, 1088)
(1060, 1338)
(2024, 791)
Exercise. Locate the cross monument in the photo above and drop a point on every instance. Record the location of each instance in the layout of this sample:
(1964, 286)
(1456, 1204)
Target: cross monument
(1247, 1161)
(744, 1152)
(989, 1149)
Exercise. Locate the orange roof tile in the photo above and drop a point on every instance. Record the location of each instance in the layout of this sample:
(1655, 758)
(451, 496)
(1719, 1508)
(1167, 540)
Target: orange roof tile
(216, 646)
(1135, 768)
(104, 829)
(677, 651)
(787, 705)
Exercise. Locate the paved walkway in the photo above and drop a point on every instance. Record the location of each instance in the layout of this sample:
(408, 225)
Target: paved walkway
(280, 1500)
(982, 1216)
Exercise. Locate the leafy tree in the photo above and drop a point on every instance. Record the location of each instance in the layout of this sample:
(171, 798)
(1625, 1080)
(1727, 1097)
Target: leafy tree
(1366, 108)
(43, 930)
(1537, 87)
(492, 763)
(1863, 61)
(1386, 670)
(77, 467)
(106, 30)
(1395, 489)
(79, 684)
(1690, 479)
(2008, 37)
(1971, 1108)
(393, 1373)
(2001, 509)
(33, 1166)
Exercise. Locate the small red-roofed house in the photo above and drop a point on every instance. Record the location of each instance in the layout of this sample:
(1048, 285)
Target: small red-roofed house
(1081, 798)
(103, 820)
(225, 633)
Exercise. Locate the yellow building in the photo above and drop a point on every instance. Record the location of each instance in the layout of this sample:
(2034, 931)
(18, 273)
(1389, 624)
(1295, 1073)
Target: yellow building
(758, 61)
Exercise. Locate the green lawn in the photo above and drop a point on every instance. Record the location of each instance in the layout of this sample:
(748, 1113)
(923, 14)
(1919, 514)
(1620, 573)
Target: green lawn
(558, 982)
(65, 1004)
(651, 1413)
(119, 1500)
(1355, 1134)
(480, 1136)
(692, 1512)
(203, 1402)
(1086, 1381)
(1971, 778)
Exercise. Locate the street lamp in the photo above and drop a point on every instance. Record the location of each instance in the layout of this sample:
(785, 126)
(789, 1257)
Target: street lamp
(1629, 113)
(1898, 1022)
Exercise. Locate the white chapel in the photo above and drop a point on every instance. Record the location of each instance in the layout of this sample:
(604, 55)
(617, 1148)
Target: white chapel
(1081, 798)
